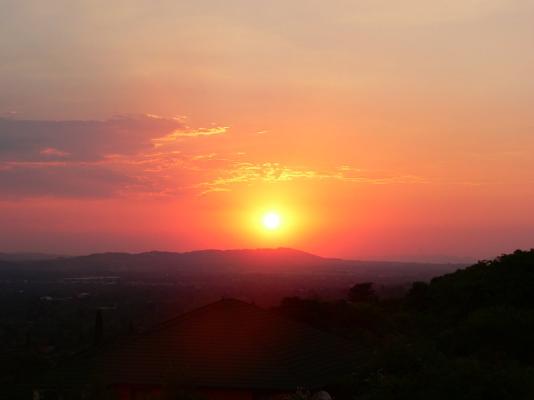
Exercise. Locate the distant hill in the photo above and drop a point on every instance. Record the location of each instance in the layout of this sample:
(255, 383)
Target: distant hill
(17, 257)
(157, 265)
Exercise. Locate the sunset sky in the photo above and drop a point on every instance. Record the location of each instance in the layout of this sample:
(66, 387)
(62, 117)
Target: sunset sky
(375, 129)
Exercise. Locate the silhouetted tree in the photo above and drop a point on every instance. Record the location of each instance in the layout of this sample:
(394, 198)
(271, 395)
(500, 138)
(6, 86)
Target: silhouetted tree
(418, 296)
(362, 292)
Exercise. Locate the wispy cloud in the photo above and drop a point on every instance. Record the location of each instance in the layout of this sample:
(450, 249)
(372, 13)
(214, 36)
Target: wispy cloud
(145, 155)
(32, 140)
(94, 158)
(272, 172)
(52, 152)
(57, 180)
(181, 134)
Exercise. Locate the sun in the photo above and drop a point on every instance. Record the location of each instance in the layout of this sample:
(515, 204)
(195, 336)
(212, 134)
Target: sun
(271, 220)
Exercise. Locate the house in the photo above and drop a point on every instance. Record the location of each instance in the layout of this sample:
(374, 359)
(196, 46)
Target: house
(225, 350)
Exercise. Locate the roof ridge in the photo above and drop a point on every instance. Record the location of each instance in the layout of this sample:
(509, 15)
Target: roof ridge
(187, 314)
(270, 313)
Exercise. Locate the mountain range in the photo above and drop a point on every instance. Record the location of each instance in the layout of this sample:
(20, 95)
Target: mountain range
(157, 265)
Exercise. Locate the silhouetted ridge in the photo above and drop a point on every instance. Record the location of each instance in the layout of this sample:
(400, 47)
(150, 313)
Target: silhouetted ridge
(159, 265)
(506, 281)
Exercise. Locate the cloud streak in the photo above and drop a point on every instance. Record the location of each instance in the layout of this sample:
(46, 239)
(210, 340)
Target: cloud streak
(178, 135)
(248, 173)
(87, 181)
(81, 140)
(91, 158)
(143, 155)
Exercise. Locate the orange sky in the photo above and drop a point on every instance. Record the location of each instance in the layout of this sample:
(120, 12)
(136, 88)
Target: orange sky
(378, 129)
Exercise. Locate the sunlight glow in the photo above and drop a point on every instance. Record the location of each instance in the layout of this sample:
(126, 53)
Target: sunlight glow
(271, 220)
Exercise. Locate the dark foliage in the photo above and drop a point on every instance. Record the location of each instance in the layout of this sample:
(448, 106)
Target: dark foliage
(362, 292)
(465, 335)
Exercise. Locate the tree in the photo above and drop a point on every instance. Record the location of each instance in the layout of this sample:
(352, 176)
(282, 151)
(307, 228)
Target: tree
(362, 292)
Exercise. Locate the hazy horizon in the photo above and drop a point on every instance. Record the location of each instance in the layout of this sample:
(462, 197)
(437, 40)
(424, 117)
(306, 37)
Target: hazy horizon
(435, 258)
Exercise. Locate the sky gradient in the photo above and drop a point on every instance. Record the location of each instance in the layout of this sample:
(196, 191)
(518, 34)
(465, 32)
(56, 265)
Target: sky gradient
(377, 129)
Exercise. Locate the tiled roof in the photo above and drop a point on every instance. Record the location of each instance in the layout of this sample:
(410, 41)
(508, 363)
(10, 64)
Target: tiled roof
(228, 344)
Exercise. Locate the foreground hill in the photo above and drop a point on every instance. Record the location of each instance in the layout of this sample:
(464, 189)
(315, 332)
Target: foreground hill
(507, 281)
(465, 335)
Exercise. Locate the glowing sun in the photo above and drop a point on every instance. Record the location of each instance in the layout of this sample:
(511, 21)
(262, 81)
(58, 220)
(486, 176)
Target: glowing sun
(271, 220)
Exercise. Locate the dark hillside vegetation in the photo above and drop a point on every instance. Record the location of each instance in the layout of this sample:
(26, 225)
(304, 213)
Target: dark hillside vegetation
(464, 335)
